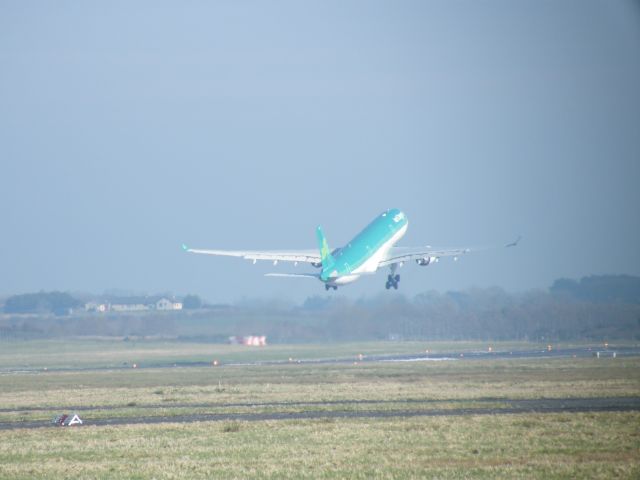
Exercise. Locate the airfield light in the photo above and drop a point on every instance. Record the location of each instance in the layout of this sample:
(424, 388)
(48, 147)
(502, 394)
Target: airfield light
(426, 351)
(549, 348)
(606, 345)
(214, 363)
(135, 365)
(462, 355)
(490, 349)
(360, 356)
(290, 359)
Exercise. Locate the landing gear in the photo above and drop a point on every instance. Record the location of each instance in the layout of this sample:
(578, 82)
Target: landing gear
(392, 281)
(327, 287)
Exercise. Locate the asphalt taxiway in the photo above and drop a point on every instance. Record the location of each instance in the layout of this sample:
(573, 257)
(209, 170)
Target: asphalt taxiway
(410, 408)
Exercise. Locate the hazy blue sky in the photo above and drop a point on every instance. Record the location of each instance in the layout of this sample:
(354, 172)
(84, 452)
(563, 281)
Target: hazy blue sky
(127, 128)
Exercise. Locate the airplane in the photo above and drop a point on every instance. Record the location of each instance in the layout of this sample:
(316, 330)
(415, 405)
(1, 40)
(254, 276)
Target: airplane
(372, 248)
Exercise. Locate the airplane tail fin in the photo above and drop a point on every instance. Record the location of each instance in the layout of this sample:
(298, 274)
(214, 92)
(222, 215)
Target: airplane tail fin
(325, 254)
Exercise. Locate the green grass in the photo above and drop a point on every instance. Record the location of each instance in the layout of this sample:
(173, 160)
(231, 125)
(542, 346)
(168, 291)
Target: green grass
(585, 445)
(107, 352)
(518, 446)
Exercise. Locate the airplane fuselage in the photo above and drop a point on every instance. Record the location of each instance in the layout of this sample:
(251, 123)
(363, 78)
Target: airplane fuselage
(367, 249)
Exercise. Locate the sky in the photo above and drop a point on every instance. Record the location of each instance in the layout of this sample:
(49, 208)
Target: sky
(128, 128)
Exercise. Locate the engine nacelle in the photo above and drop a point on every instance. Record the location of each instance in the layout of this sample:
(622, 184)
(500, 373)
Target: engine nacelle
(423, 262)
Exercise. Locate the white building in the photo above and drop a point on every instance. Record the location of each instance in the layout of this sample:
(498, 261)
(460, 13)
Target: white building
(134, 304)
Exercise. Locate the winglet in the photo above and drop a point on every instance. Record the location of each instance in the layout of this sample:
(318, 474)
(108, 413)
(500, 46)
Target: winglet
(185, 248)
(515, 242)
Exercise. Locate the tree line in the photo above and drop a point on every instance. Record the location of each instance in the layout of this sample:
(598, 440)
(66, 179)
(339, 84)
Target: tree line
(593, 308)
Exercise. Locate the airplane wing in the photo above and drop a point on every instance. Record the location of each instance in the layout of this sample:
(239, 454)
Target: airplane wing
(420, 254)
(308, 256)
(427, 255)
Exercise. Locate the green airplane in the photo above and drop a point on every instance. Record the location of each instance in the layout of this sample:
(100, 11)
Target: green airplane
(372, 248)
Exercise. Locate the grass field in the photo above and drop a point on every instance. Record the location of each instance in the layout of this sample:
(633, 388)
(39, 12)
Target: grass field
(72, 353)
(523, 445)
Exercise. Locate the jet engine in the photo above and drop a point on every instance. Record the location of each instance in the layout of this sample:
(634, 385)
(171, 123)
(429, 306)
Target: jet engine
(423, 262)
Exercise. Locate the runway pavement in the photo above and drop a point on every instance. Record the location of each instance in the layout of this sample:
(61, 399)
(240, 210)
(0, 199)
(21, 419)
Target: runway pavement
(581, 352)
(509, 407)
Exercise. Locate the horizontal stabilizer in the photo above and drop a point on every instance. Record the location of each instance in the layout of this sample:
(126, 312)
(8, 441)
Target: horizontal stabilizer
(303, 275)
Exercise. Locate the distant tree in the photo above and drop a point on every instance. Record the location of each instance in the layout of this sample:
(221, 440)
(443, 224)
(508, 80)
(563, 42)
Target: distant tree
(600, 288)
(62, 303)
(58, 303)
(565, 287)
(191, 302)
(316, 303)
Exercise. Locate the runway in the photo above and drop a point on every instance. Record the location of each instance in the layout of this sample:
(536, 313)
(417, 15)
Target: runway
(508, 407)
(581, 352)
